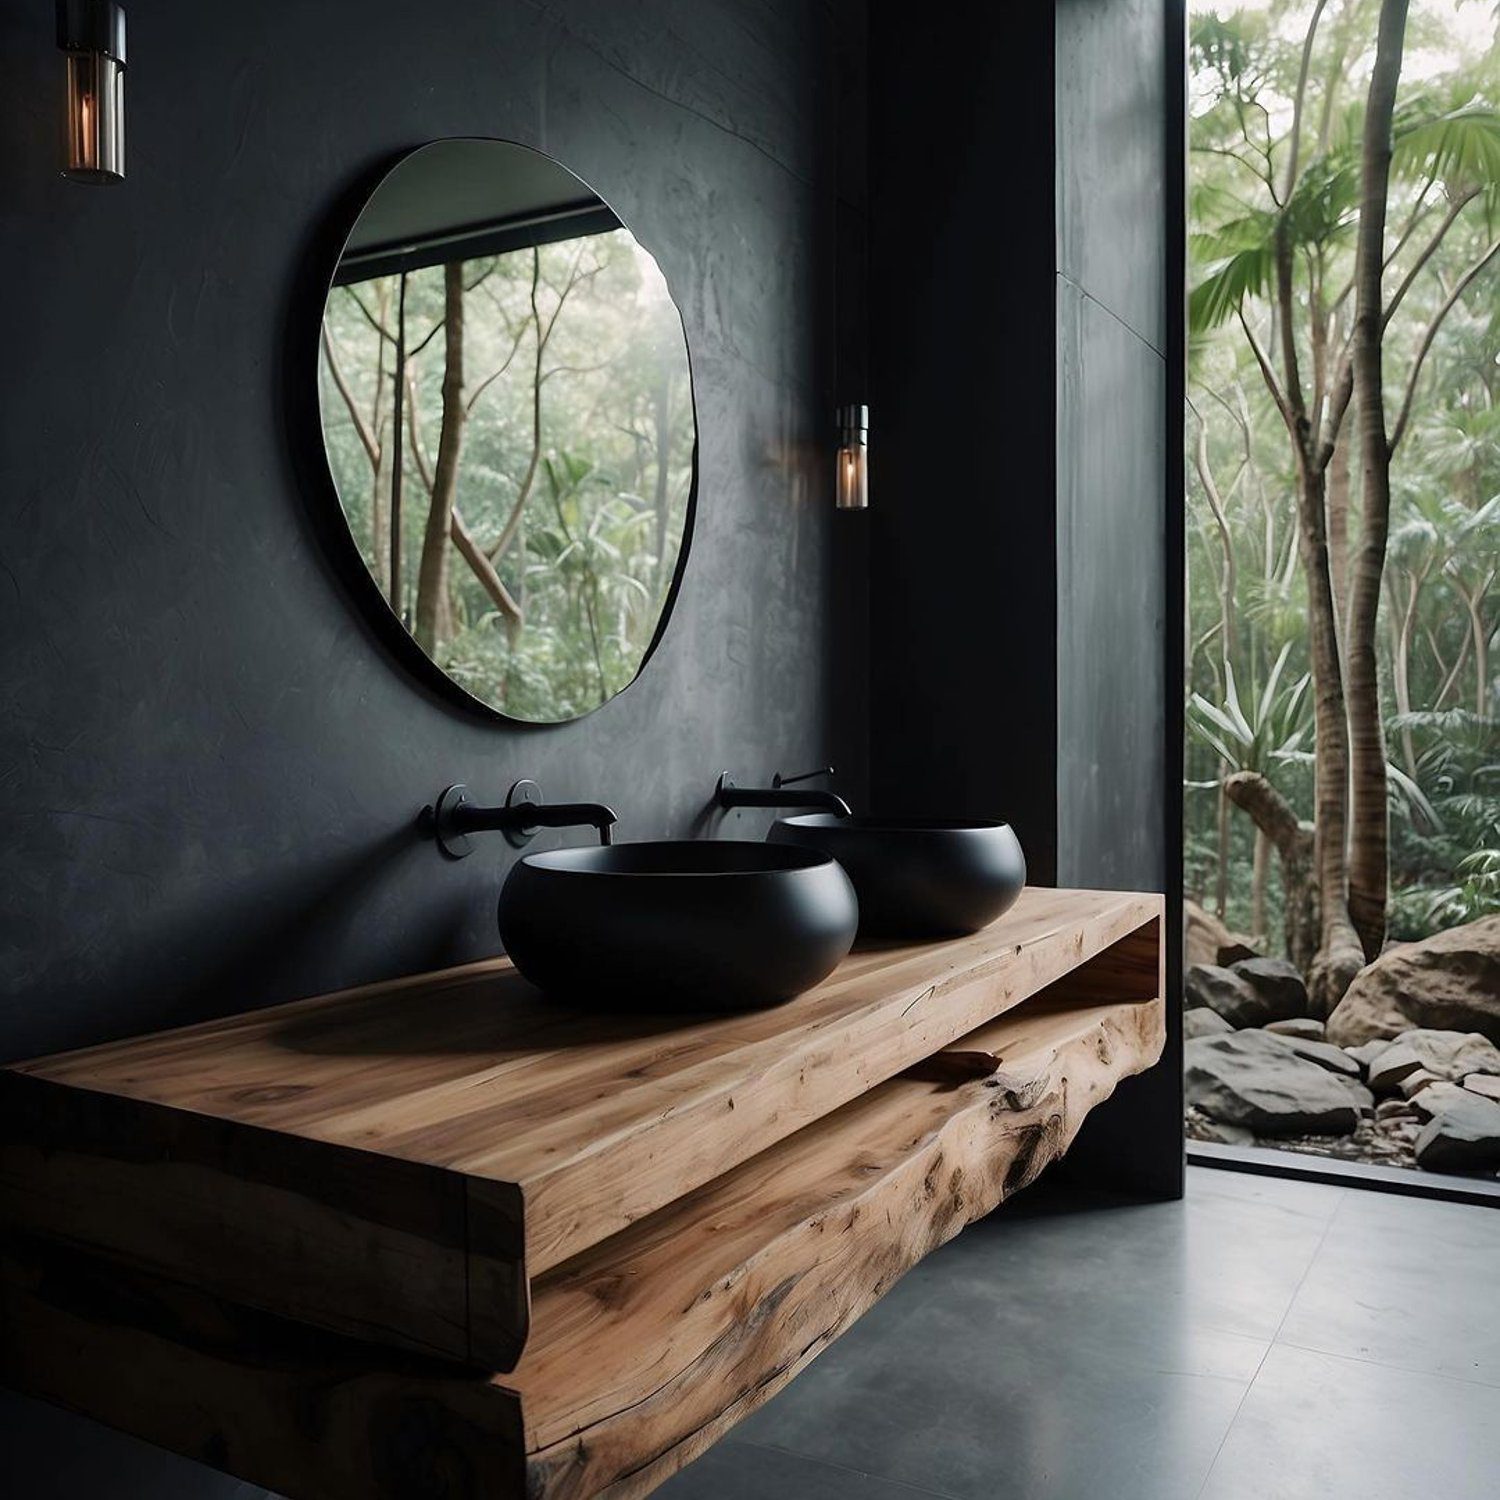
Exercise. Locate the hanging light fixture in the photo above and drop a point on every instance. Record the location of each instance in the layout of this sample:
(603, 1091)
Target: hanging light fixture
(852, 481)
(92, 35)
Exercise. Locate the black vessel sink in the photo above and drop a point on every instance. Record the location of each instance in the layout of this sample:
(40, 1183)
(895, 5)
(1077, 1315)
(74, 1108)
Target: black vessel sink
(697, 926)
(917, 877)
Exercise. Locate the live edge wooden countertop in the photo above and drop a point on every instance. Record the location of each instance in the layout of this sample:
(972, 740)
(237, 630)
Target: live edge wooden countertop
(401, 1161)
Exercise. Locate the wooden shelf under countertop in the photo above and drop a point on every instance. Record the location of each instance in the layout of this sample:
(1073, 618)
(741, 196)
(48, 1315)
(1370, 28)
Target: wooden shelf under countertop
(644, 1348)
(404, 1162)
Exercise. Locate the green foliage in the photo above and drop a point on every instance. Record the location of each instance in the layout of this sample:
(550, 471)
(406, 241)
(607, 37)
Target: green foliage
(1273, 729)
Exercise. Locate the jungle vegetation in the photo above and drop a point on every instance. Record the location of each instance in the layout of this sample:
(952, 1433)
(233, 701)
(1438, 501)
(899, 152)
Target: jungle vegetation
(1343, 456)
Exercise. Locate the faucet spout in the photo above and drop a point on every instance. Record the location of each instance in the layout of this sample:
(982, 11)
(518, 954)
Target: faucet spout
(727, 796)
(453, 817)
(575, 815)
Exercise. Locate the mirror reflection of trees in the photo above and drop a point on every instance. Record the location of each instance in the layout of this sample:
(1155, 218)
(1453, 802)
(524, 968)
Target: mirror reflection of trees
(512, 440)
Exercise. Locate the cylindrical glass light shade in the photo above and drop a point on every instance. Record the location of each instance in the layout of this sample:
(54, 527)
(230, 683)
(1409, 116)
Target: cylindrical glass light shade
(852, 480)
(92, 34)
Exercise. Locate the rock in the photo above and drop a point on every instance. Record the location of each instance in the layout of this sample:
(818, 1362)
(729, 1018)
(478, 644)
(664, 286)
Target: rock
(1395, 1109)
(1278, 985)
(1484, 1084)
(1235, 951)
(1463, 1134)
(1201, 1021)
(1414, 1083)
(1255, 1080)
(1305, 1027)
(1206, 940)
(1335, 1059)
(1450, 981)
(1325, 1054)
(1434, 1099)
(1217, 989)
(1447, 1054)
(1250, 993)
(1367, 1052)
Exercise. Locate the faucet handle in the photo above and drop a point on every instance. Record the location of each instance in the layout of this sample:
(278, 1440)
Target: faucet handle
(778, 780)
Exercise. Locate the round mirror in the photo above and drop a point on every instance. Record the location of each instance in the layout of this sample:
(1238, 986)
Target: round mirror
(508, 416)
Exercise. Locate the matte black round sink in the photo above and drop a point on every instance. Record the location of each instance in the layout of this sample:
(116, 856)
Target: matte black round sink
(917, 877)
(703, 926)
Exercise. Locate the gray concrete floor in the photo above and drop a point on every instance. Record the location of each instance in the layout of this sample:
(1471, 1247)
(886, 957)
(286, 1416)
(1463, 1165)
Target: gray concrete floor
(1265, 1339)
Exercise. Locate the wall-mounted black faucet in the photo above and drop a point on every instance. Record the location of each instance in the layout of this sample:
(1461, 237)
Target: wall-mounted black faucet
(452, 818)
(779, 794)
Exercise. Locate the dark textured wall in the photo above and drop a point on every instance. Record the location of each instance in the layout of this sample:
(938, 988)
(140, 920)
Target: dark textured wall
(209, 768)
(1111, 441)
(962, 594)
(1119, 168)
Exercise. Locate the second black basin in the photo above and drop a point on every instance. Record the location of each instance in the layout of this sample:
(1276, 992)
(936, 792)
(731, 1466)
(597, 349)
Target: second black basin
(917, 877)
(690, 925)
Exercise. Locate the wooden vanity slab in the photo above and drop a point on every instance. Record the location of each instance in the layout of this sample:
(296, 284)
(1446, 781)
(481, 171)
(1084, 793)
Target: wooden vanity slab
(404, 1162)
(644, 1348)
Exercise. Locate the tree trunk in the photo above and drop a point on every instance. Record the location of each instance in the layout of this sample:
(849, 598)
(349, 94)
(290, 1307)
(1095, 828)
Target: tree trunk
(1339, 956)
(662, 410)
(1338, 534)
(1479, 635)
(1369, 865)
(1259, 869)
(1295, 845)
(398, 460)
(1228, 586)
(433, 615)
(1401, 633)
(1221, 874)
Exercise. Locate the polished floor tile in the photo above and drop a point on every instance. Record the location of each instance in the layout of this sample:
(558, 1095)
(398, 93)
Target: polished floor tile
(1409, 1283)
(992, 1419)
(735, 1470)
(1010, 1364)
(1320, 1427)
(1229, 1257)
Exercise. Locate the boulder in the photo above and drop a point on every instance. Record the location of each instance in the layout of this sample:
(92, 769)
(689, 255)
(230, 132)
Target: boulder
(1206, 940)
(1306, 1027)
(1248, 993)
(1201, 1021)
(1278, 986)
(1446, 1054)
(1450, 981)
(1208, 986)
(1395, 1109)
(1484, 1084)
(1463, 1134)
(1256, 1080)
